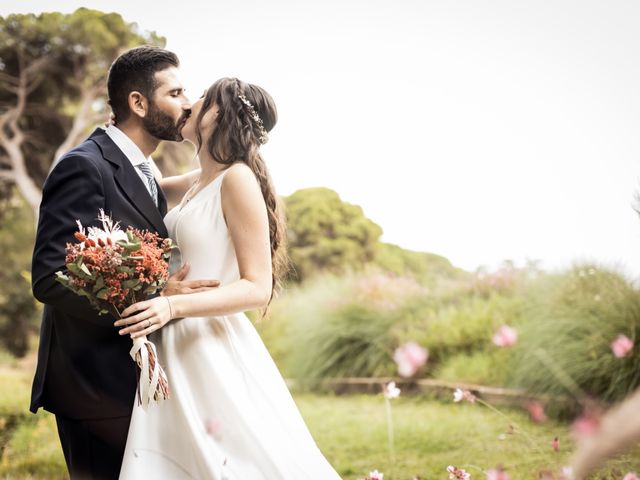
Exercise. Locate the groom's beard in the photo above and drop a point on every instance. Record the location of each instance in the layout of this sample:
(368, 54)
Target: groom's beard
(162, 126)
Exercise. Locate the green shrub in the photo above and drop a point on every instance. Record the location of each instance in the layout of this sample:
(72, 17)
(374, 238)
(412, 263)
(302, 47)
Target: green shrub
(565, 343)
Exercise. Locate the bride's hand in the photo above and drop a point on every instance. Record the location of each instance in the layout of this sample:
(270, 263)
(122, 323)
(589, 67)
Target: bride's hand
(178, 285)
(150, 315)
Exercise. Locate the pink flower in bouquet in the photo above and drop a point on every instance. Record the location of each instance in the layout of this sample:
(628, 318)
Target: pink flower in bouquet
(536, 412)
(622, 346)
(497, 474)
(457, 473)
(505, 336)
(465, 395)
(375, 475)
(631, 476)
(409, 358)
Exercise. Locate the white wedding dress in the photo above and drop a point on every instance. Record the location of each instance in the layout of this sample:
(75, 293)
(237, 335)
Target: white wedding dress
(230, 415)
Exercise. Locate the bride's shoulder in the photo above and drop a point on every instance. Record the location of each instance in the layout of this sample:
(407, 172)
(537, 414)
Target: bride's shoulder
(239, 180)
(237, 175)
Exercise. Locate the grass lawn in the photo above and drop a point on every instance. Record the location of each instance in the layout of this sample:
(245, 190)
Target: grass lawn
(350, 430)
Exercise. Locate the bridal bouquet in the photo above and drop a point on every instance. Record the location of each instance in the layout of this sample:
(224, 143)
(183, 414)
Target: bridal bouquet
(114, 269)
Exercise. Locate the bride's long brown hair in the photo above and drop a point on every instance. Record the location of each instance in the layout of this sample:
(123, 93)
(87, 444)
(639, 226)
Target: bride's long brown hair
(237, 138)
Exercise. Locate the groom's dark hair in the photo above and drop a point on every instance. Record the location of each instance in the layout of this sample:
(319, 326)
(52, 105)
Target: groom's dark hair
(135, 70)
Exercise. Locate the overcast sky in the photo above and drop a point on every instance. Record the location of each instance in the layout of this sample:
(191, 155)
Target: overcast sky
(478, 130)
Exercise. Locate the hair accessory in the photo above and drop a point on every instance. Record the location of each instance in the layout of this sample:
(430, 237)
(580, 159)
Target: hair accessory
(263, 138)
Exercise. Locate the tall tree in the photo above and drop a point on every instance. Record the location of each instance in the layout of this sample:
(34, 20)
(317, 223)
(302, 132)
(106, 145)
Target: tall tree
(53, 69)
(326, 233)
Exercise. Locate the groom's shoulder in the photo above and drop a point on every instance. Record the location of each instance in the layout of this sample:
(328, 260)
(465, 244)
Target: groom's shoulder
(86, 154)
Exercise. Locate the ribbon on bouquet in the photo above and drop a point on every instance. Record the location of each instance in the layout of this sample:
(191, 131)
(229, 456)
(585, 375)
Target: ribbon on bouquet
(152, 381)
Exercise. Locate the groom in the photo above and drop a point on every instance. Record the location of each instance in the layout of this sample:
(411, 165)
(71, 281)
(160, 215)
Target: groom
(85, 375)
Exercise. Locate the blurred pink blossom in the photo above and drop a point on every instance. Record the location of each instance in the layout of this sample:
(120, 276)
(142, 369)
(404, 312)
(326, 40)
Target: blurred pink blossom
(505, 336)
(375, 475)
(631, 476)
(622, 346)
(457, 473)
(497, 474)
(566, 473)
(536, 412)
(409, 358)
(466, 395)
(213, 426)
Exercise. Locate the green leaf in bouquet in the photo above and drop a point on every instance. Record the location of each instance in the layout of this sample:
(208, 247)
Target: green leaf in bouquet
(132, 283)
(62, 278)
(136, 258)
(129, 246)
(77, 271)
(102, 294)
(84, 268)
(125, 269)
(99, 285)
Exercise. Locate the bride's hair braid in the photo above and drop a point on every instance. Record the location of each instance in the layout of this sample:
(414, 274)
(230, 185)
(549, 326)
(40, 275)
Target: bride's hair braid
(237, 138)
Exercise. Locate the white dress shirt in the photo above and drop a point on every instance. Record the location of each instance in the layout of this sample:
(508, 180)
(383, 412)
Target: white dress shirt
(131, 151)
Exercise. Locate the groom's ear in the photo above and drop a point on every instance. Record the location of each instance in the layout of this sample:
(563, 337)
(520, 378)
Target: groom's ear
(138, 104)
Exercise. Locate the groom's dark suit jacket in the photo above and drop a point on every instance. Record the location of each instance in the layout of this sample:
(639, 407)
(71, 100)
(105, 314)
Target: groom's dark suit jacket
(84, 369)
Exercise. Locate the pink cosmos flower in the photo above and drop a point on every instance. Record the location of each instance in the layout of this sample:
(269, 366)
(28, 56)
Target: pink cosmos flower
(505, 336)
(536, 412)
(375, 475)
(631, 476)
(566, 473)
(497, 474)
(457, 473)
(409, 358)
(622, 346)
(465, 395)
(213, 426)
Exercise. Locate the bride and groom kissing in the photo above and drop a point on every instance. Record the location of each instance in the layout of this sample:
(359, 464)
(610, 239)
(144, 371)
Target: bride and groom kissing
(230, 414)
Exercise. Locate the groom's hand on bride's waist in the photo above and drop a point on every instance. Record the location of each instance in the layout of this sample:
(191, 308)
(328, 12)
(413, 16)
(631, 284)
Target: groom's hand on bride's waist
(178, 285)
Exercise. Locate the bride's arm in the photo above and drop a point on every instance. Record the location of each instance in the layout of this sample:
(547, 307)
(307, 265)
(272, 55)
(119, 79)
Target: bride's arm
(176, 186)
(246, 216)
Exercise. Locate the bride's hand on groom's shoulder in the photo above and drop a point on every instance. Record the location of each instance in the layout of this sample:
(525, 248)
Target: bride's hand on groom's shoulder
(177, 285)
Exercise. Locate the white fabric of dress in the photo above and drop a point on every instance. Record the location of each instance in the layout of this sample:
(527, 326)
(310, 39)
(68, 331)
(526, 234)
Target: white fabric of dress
(230, 414)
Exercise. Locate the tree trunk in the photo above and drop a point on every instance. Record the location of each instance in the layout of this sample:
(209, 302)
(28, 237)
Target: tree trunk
(82, 120)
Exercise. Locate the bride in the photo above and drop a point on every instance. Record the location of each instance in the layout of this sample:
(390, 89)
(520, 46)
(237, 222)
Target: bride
(230, 415)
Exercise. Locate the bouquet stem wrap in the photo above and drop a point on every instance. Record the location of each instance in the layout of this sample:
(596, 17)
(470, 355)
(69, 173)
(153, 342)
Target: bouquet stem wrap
(152, 381)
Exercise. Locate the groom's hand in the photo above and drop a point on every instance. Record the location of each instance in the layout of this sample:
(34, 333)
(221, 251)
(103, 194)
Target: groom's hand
(178, 285)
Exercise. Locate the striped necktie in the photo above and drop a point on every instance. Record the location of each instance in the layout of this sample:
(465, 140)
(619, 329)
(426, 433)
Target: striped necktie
(151, 183)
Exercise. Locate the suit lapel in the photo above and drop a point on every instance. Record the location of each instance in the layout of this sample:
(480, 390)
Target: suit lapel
(131, 184)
